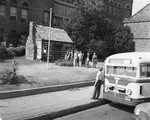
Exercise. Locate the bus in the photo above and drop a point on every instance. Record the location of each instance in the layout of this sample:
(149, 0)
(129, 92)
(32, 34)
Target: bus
(127, 78)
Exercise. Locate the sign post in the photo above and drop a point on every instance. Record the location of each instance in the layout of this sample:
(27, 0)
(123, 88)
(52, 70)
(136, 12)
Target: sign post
(50, 19)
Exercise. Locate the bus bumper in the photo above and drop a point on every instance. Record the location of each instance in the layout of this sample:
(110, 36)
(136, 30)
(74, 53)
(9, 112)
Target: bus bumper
(131, 102)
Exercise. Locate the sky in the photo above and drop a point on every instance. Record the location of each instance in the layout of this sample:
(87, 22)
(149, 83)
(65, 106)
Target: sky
(138, 5)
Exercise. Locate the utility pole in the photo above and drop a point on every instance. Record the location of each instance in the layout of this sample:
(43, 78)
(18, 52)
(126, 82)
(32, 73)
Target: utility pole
(50, 19)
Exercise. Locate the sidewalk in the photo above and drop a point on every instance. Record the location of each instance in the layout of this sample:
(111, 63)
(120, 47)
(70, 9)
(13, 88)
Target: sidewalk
(48, 106)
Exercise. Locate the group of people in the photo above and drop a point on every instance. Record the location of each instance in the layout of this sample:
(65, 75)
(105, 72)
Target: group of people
(75, 56)
(80, 59)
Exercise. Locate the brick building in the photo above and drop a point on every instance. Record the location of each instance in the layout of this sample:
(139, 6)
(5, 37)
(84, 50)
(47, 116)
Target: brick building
(15, 15)
(116, 10)
(140, 27)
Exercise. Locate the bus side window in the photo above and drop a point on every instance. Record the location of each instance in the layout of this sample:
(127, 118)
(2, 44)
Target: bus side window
(115, 70)
(143, 70)
(109, 69)
(148, 70)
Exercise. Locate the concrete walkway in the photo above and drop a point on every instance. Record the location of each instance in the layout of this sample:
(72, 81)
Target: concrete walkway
(48, 106)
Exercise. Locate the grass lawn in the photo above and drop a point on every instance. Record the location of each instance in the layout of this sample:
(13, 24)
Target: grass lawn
(46, 75)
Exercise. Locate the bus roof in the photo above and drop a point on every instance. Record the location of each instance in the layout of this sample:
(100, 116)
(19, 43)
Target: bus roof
(136, 57)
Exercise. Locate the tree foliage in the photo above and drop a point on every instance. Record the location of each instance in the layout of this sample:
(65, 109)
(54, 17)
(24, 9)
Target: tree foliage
(92, 31)
(123, 40)
(13, 38)
(17, 38)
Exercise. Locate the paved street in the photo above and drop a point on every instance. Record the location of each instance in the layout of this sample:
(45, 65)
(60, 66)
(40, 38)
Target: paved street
(105, 112)
(48, 103)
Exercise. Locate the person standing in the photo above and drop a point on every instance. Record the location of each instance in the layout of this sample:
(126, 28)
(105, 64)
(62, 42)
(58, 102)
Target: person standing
(87, 60)
(44, 54)
(98, 83)
(66, 54)
(80, 56)
(75, 58)
(71, 55)
(94, 60)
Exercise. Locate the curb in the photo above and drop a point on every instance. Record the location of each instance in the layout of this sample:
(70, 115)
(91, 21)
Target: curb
(39, 90)
(67, 111)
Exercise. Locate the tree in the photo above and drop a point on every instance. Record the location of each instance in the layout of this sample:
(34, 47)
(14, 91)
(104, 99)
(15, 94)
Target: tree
(123, 40)
(89, 26)
(92, 31)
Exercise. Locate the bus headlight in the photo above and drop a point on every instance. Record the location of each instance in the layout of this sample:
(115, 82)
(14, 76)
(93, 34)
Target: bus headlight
(129, 92)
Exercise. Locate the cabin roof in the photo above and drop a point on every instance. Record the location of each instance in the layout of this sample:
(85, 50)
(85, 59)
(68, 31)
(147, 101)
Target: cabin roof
(56, 34)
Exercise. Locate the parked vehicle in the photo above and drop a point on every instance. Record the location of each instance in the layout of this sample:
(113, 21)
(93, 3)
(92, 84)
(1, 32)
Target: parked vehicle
(142, 111)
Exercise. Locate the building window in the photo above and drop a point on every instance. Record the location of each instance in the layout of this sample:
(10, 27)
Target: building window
(24, 15)
(13, 13)
(13, 10)
(58, 21)
(106, 6)
(127, 11)
(46, 17)
(2, 10)
(1, 35)
(119, 11)
(115, 9)
(24, 12)
(111, 8)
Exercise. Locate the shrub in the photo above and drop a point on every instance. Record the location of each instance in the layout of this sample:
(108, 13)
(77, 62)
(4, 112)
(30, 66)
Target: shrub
(63, 62)
(19, 51)
(13, 38)
(58, 61)
(10, 51)
(4, 53)
(9, 76)
(16, 51)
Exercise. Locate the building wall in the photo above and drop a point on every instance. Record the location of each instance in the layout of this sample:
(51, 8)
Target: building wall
(10, 21)
(116, 10)
(142, 45)
(39, 13)
(141, 35)
(62, 10)
(39, 8)
(33, 11)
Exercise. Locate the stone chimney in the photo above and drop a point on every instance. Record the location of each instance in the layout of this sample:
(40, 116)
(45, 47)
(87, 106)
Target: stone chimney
(31, 48)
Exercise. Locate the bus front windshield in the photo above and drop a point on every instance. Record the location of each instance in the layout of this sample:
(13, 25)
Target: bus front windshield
(121, 70)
